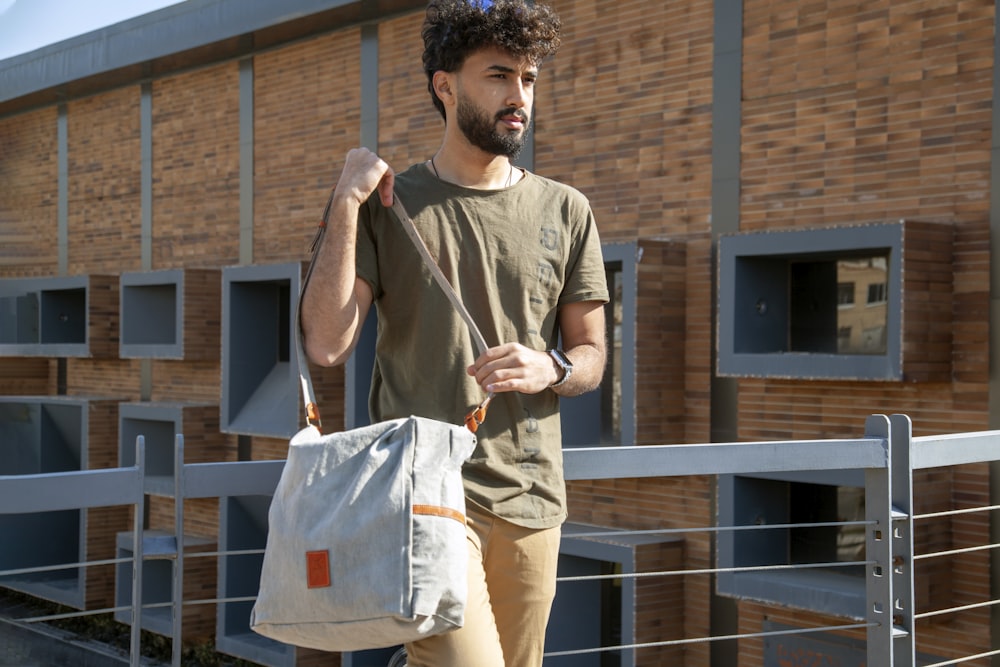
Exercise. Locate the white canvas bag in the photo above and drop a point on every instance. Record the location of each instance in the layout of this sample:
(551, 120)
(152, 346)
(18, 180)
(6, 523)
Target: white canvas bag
(366, 544)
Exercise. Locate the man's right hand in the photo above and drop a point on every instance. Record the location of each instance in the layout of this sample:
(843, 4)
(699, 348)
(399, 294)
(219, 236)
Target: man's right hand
(363, 173)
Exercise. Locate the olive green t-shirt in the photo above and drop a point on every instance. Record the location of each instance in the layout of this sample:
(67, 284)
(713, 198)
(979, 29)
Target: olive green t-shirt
(514, 255)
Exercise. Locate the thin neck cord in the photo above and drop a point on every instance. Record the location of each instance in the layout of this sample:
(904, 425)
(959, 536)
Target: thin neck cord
(510, 174)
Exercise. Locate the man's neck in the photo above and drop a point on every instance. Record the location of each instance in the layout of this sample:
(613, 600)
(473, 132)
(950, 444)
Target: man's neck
(473, 169)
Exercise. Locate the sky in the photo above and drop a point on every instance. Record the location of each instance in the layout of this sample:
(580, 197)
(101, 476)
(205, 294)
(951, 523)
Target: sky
(26, 25)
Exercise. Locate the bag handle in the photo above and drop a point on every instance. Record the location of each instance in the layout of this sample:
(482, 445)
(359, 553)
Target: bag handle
(478, 414)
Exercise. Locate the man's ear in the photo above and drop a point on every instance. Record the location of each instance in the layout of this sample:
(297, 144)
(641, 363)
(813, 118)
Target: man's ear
(444, 87)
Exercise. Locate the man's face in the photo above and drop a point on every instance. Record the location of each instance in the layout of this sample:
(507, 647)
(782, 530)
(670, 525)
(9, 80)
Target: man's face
(495, 93)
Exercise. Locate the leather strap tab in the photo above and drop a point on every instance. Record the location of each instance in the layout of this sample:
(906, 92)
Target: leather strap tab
(437, 510)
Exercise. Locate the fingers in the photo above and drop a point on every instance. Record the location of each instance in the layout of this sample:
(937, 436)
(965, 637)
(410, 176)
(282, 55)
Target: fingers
(513, 367)
(385, 188)
(365, 172)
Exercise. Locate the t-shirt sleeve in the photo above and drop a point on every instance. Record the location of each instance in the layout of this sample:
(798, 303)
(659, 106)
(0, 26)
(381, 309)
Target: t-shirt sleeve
(366, 253)
(585, 275)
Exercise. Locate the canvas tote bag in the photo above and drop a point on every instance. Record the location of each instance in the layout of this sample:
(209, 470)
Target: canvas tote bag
(366, 544)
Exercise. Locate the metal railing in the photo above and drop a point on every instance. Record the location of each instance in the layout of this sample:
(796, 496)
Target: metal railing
(84, 489)
(887, 455)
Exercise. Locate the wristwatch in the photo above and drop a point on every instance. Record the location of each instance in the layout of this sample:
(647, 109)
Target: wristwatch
(563, 362)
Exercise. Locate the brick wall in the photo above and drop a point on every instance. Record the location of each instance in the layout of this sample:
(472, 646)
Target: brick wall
(870, 113)
(699, 338)
(103, 181)
(410, 128)
(196, 175)
(102, 523)
(624, 114)
(307, 114)
(661, 282)
(29, 196)
(26, 377)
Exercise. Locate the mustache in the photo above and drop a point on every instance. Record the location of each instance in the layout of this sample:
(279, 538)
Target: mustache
(512, 111)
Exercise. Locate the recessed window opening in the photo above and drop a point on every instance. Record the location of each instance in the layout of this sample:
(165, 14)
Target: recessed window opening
(838, 305)
(820, 503)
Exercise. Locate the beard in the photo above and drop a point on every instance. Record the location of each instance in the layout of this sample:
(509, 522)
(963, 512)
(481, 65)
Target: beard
(481, 130)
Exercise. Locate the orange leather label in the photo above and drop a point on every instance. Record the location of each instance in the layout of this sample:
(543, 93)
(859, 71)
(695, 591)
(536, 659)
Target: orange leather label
(317, 569)
(435, 510)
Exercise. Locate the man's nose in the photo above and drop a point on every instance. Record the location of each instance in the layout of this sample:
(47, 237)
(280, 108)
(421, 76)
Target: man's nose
(519, 95)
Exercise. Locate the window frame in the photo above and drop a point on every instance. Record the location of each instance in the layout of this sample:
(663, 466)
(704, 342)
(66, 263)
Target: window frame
(754, 311)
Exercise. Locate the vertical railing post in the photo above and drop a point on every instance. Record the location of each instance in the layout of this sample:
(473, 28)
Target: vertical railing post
(878, 550)
(901, 484)
(889, 545)
(135, 644)
(178, 582)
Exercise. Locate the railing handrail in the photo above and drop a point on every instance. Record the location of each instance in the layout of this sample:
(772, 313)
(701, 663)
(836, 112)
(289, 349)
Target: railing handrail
(935, 451)
(747, 458)
(215, 480)
(208, 480)
(78, 489)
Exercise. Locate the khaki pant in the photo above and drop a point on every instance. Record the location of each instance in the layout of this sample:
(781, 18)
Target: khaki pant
(512, 581)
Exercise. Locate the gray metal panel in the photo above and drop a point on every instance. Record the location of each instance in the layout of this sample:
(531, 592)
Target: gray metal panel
(779, 247)
(726, 121)
(995, 195)
(145, 210)
(158, 424)
(358, 374)
(260, 377)
(62, 316)
(246, 160)
(243, 525)
(727, 99)
(146, 176)
(832, 593)
(62, 215)
(151, 314)
(369, 87)
(177, 28)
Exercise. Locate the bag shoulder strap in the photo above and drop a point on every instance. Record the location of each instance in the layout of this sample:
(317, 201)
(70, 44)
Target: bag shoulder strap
(478, 414)
(439, 277)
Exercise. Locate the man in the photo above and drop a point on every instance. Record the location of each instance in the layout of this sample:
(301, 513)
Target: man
(524, 254)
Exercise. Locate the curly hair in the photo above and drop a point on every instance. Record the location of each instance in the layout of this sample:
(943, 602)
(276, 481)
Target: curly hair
(453, 29)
